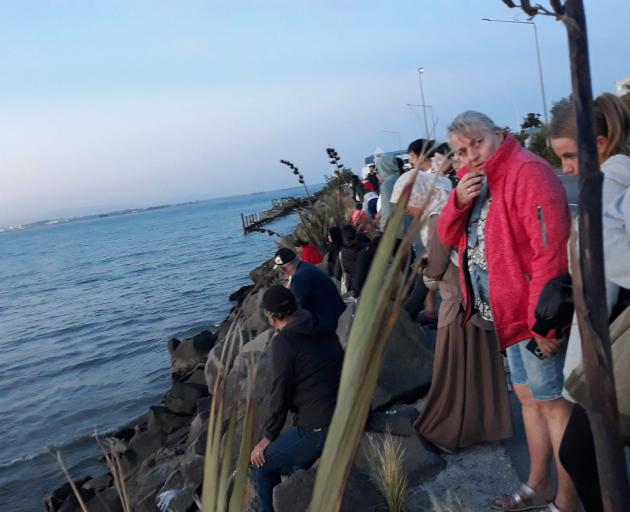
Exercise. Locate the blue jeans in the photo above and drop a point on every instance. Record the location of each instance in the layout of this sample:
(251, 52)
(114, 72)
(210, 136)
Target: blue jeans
(544, 377)
(296, 448)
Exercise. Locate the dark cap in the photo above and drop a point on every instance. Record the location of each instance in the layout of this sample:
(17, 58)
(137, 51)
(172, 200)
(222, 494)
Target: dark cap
(283, 256)
(278, 299)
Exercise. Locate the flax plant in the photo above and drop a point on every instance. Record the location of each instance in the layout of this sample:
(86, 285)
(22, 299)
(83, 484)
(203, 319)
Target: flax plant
(374, 322)
(218, 462)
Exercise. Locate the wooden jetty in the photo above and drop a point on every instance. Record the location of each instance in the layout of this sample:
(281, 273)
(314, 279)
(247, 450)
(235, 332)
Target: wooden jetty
(280, 208)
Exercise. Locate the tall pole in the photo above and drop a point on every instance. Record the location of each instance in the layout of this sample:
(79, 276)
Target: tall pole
(593, 316)
(540, 71)
(424, 108)
(410, 106)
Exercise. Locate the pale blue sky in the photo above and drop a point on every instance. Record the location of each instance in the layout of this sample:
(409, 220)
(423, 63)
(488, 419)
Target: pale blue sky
(126, 103)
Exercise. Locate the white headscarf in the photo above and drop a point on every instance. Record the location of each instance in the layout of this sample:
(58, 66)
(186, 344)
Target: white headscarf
(423, 184)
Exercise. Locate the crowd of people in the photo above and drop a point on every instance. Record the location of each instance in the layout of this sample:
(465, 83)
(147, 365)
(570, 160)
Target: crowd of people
(492, 246)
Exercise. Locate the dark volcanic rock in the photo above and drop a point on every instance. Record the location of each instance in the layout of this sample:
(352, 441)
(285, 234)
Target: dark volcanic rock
(345, 324)
(105, 501)
(72, 503)
(54, 500)
(99, 483)
(419, 464)
(144, 484)
(294, 494)
(399, 420)
(197, 377)
(187, 354)
(140, 447)
(241, 293)
(162, 419)
(183, 396)
(407, 365)
(183, 483)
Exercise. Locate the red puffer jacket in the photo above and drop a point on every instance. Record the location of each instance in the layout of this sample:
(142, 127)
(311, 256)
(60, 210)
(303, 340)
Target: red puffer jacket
(527, 230)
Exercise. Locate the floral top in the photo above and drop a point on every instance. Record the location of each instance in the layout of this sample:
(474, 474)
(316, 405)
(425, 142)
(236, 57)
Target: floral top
(477, 264)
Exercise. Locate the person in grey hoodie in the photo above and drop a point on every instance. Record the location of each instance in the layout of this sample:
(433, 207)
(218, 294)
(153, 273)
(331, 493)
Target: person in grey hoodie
(612, 131)
(388, 169)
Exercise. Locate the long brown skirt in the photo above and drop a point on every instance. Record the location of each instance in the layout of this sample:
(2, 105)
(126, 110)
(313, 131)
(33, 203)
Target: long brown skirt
(468, 402)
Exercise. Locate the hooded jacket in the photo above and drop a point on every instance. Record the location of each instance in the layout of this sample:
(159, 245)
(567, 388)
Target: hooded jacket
(526, 237)
(616, 202)
(388, 171)
(306, 367)
(315, 292)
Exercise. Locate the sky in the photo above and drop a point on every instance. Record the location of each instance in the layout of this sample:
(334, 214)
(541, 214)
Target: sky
(128, 103)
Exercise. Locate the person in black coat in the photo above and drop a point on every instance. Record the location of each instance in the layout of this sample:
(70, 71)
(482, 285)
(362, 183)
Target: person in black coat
(306, 366)
(353, 244)
(333, 247)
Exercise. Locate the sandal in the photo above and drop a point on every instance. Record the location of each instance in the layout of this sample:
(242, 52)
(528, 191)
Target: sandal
(525, 498)
(552, 508)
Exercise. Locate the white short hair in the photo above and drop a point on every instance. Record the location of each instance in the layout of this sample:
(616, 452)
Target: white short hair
(471, 121)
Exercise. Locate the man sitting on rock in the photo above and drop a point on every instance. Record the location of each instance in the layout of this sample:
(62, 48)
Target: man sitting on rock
(313, 290)
(306, 365)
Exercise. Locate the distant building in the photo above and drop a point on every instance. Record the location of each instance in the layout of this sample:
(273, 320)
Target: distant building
(623, 85)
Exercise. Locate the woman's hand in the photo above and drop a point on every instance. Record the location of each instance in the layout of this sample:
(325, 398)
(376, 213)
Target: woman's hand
(548, 347)
(469, 188)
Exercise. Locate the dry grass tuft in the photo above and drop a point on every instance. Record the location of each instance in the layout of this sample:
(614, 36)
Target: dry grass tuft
(386, 459)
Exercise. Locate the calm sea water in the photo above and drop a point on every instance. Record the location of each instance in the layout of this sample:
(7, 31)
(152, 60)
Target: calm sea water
(86, 309)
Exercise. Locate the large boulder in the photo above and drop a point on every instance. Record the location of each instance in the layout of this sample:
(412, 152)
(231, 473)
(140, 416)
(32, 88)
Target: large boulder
(187, 354)
(55, 499)
(162, 419)
(397, 420)
(257, 354)
(239, 295)
(183, 396)
(182, 484)
(107, 500)
(144, 484)
(295, 493)
(253, 320)
(141, 446)
(262, 274)
(345, 323)
(407, 365)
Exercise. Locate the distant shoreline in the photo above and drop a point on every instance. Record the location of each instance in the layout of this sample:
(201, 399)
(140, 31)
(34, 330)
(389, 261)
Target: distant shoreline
(126, 211)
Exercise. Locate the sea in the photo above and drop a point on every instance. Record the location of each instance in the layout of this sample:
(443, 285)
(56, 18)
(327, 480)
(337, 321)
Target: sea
(86, 310)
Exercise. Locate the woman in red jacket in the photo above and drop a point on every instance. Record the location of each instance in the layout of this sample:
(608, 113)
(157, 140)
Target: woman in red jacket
(510, 219)
(308, 252)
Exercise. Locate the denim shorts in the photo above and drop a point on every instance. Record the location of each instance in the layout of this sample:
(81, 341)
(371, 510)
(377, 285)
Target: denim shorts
(543, 376)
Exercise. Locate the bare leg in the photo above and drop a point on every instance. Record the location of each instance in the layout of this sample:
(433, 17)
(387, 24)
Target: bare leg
(556, 414)
(429, 302)
(538, 443)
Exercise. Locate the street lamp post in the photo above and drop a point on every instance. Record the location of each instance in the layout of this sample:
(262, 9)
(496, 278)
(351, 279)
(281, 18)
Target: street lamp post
(540, 71)
(424, 108)
(411, 106)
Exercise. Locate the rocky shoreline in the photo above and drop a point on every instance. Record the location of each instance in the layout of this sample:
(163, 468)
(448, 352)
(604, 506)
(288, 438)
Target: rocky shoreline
(162, 454)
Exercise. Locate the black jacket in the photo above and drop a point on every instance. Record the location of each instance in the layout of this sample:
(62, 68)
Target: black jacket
(306, 364)
(347, 262)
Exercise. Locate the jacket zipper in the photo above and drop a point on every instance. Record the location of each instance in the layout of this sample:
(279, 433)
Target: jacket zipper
(543, 228)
